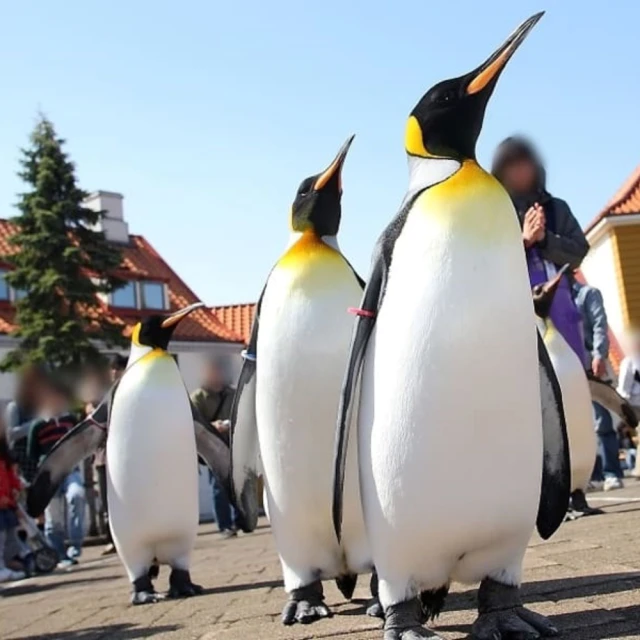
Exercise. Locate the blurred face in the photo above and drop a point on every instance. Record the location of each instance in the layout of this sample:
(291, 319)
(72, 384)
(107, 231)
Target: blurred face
(28, 392)
(519, 176)
(214, 377)
(53, 402)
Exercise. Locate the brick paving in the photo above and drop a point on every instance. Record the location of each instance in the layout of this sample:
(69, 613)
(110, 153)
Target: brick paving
(587, 578)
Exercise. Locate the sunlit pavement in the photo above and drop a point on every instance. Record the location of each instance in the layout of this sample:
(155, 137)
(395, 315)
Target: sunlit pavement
(587, 578)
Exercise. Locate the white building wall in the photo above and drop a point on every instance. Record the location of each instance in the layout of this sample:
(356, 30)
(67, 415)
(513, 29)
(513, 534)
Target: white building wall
(192, 358)
(600, 271)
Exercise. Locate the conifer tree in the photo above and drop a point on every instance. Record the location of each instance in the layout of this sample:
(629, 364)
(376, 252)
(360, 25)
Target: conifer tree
(62, 262)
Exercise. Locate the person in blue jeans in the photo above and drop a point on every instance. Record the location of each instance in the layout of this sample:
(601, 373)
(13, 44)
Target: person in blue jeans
(596, 338)
(214, 400)
(67, 508)
(71, 496)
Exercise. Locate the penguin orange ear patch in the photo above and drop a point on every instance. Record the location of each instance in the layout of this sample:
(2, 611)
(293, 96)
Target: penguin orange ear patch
(413, 142)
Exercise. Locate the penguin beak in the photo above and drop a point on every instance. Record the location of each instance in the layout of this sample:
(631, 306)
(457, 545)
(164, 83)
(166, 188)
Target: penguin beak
(543, 296)
(551, 286)
(486, 75)
(176, 317)
(334, 170)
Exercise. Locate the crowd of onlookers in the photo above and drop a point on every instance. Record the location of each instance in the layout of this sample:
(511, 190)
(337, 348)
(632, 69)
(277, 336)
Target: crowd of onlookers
(45, 408)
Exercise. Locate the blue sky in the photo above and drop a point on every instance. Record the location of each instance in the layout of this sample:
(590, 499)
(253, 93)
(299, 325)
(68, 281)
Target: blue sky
(207, 115)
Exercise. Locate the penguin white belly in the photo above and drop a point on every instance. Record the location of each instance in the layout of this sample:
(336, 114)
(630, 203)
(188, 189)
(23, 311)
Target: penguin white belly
(450, 421)
(303, 343)
(152, 467)
(578, 408)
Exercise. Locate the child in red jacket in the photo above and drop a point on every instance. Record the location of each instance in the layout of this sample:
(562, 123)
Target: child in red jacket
(10, 487)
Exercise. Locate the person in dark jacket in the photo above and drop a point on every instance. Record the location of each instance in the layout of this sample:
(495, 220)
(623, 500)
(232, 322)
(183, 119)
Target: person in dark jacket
(54, 422)
(214, 400)
(18, 416)
(551, 235)
(117, 366)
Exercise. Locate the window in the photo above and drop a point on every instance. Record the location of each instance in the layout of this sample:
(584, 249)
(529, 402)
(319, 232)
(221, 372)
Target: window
(4, 287)
(152, 295)
(18, 294)
(125, 297)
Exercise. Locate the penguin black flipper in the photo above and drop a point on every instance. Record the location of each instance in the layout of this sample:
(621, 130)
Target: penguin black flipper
(83, 440)
(245, 450)
(365, 321)
(556, 474)
(212, 448)
(605, 394)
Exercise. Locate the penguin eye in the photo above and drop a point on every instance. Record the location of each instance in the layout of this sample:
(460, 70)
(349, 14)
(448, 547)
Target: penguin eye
(446, 97)
(305, 187)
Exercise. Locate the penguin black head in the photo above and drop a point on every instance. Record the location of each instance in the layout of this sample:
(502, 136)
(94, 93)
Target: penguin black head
(543, 294)
(448, 119)
(317, 203)
(155, 331)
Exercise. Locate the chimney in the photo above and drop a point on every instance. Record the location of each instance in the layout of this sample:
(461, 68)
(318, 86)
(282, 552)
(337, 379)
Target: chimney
(113, 224)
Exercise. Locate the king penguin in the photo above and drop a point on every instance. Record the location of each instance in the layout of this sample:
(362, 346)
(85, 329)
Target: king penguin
(154, 438)
(287, 401)
(449, 293)
(576, 398)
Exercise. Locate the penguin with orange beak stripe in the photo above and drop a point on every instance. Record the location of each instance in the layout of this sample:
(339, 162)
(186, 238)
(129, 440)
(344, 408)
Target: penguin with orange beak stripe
(154, 438)
(287, 401)
(448, 293)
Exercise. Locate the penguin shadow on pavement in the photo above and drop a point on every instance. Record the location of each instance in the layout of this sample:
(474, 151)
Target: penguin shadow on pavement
(28, 586)
(249, 586)
(119, 631)
(589, 623)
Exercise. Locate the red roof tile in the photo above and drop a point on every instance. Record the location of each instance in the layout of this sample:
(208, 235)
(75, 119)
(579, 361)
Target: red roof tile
(238, 318)
(141, 261)
(625, 202)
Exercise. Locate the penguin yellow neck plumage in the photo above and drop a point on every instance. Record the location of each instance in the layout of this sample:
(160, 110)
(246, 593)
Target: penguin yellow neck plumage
(307, 248)
(311, 266)
(469, 200)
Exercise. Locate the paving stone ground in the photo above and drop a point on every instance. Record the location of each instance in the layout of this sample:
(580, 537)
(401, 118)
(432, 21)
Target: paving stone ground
(587, 578)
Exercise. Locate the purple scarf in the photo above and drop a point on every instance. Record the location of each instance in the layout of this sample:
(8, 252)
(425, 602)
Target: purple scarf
(564, 312)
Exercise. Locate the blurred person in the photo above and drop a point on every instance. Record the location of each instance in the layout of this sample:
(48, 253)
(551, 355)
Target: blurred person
(596, 338)
(10, 487)
(18, 416)
(551, 235)
(629, 379)
(54, 421)
(117, 366)
(214, 400)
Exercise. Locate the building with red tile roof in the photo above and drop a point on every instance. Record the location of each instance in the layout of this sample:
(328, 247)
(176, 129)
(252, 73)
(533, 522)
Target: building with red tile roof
(238, 318)
(152, 287)
(613, 262)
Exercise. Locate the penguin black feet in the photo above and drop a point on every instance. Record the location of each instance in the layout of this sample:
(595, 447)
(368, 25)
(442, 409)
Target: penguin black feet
(305, 605)
(403, 622)
(502, 616)
(579, 507)
(374, 608)
(143, 591)
(180, 585)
